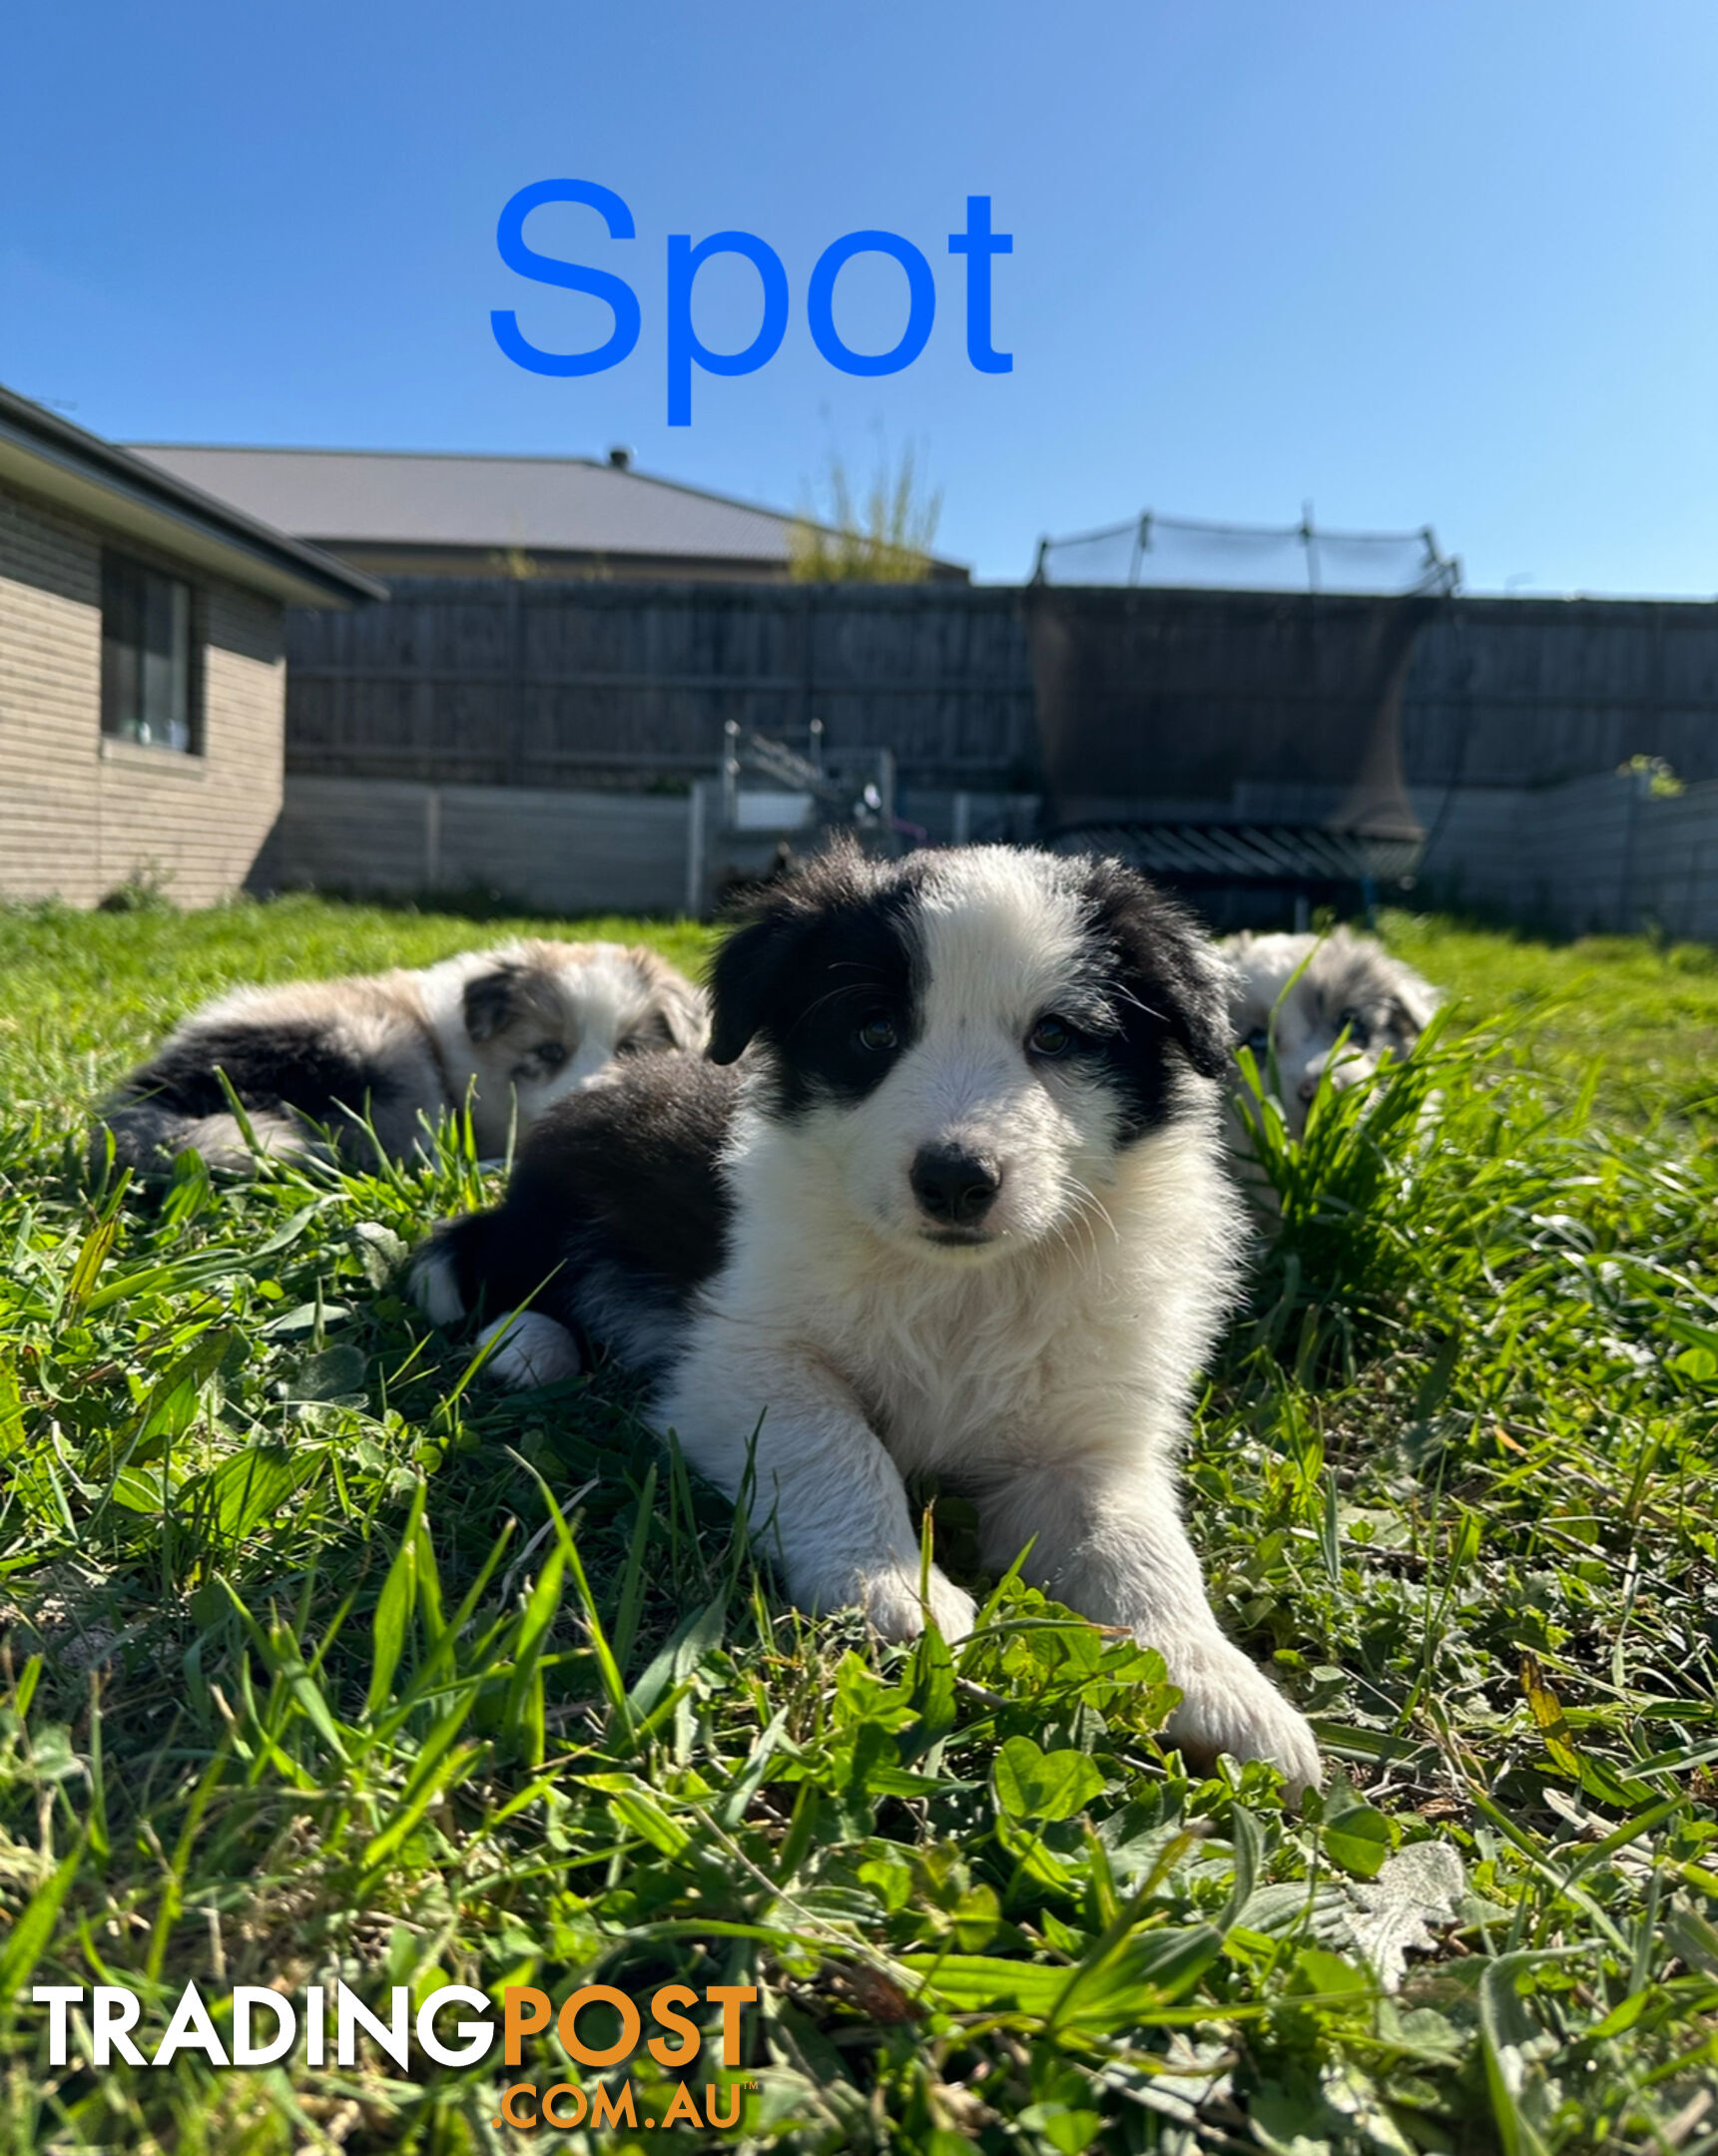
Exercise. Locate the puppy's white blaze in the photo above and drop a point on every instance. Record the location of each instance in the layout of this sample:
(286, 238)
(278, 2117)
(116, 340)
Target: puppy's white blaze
(610, 995)
(434, 1286)
(594, 1060)
(530, 1350)
(999, 935)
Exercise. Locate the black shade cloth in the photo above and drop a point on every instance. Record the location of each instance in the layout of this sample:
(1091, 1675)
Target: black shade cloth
(1223, 708)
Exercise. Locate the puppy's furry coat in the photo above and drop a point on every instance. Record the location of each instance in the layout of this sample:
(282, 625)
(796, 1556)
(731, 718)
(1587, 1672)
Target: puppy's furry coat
(522, 1025)
(959, 1211)
(1342, 984)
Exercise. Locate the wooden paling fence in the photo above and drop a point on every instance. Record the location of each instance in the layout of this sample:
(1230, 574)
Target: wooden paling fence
(540, 720)
(539, 682)
(503, 682)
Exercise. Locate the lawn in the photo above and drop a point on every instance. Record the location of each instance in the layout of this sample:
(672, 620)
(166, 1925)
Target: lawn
(326, 1664)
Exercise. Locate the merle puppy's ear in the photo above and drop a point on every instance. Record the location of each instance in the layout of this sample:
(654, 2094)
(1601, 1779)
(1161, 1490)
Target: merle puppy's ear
(490, 1002)
(1412, 1004)
(750, 981)
(1171, 964)
(684, 1009)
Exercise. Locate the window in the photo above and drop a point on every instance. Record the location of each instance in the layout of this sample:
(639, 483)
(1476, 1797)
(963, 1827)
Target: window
(150, 688)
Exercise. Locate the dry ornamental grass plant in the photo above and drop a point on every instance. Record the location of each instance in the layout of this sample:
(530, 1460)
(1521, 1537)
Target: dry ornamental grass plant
(887, 539)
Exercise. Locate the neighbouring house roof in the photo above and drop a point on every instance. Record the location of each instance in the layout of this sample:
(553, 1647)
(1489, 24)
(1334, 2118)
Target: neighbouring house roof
(376, 499)
(47, 456)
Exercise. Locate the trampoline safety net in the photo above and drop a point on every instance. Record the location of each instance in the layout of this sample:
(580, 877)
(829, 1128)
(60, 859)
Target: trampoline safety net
(1240, 739)
(1182, 553)
(1222, 704)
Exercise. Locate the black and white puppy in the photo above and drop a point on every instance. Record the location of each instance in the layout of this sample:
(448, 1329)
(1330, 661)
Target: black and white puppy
(960, 1210)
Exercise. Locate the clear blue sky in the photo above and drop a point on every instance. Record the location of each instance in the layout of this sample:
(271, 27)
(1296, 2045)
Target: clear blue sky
(1453, 264)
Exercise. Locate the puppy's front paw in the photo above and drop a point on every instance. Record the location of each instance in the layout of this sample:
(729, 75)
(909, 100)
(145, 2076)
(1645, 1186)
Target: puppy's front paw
(891, 1600)
(434, 1283)
(1230, 1705)
(530, 1350)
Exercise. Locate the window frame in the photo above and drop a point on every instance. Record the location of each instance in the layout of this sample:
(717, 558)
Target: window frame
(117, 562)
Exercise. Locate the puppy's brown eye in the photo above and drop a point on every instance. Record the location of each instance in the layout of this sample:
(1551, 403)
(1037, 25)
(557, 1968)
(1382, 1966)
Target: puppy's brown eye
(876, 1034)
(1050, 1038)
(550, 1055)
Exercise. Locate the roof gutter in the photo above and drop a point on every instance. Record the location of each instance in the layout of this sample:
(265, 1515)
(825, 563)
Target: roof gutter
(50, 457)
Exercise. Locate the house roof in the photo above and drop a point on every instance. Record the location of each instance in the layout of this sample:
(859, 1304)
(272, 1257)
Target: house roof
(112, 487)
(551, 504)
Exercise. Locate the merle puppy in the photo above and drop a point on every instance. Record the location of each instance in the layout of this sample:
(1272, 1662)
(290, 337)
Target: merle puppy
(1337, 1001)
(378, 1059)
(947, 1197)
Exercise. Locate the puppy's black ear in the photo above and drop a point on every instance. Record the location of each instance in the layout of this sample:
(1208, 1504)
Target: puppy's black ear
(750, 979)
(1172, 965)
(764, 974)
(491, 1002)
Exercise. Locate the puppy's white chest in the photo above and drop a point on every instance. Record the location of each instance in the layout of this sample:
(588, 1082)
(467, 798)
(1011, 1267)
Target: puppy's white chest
(965, 1382)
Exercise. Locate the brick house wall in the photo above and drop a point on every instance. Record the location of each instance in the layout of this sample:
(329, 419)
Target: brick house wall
(79, 813)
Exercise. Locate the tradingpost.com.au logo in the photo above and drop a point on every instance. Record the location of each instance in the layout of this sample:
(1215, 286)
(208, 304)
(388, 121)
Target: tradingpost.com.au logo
(264, 2025)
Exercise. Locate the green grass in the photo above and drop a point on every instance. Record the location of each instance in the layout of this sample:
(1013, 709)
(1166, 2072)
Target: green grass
(325, 1661)
(1647, 1013)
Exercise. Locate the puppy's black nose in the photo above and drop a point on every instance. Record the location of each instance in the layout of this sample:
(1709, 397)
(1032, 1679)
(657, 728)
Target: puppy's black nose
(955, 1186)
